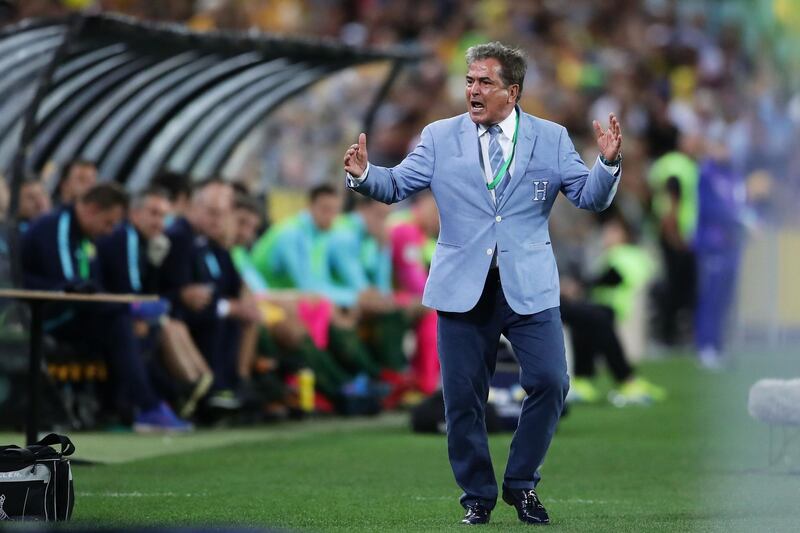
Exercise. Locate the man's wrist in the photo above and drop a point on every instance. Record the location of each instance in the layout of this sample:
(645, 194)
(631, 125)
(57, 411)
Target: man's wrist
(354, 181)
(611, 163)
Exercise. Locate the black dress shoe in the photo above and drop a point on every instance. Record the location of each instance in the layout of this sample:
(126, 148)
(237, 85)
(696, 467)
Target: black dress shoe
(476, 514)
(529, 509)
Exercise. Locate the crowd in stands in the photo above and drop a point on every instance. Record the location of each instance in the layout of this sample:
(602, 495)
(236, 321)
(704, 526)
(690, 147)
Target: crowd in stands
(710, 107)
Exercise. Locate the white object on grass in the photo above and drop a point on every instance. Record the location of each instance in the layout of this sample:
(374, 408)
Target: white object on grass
(775, 401)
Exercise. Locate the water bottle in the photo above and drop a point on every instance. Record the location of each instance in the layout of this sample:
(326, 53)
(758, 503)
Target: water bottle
(305, 389)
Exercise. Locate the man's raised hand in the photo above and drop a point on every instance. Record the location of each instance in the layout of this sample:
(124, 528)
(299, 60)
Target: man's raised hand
(610, 140)
(355, 158)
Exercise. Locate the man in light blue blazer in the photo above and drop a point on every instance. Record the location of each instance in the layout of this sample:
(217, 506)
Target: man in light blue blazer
(495, 172)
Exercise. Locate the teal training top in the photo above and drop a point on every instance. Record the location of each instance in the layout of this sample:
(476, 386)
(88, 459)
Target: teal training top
(295, 254)
(357, 259)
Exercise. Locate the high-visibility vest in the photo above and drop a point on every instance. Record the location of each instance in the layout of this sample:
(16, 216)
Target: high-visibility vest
(685, 170)
(635, 268)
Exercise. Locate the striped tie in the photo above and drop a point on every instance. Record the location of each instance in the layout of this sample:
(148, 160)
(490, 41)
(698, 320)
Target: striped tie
(496, 159)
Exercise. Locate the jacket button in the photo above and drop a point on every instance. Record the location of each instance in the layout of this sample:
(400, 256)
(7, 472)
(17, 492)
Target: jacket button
(489, 251)
(498, 218)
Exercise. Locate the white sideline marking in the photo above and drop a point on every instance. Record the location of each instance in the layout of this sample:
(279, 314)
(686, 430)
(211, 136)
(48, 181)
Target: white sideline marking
(581, 501)
(138, 494)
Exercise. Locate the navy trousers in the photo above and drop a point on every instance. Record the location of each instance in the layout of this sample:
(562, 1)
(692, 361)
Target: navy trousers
(468, 345)
(218, 340)
(107, 330)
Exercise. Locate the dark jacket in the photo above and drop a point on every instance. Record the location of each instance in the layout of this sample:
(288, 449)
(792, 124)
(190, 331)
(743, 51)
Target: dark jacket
(192, 259)
(55, 253)
(122, 273)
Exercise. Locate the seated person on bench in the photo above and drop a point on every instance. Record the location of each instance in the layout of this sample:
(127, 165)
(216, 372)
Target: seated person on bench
(58, 253)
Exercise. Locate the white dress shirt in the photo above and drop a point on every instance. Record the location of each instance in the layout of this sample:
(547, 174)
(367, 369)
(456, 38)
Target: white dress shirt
(505, 139)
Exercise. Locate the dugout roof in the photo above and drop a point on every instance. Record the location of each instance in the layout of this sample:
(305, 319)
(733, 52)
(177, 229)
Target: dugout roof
(139, 97)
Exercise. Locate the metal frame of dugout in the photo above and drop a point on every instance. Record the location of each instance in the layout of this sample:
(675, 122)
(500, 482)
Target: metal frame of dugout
(138, 98)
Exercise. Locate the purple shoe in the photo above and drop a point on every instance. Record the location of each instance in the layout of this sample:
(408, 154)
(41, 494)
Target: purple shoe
(160, 419)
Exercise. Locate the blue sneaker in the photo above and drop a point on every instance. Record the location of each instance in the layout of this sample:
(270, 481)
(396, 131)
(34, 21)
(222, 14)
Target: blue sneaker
(359, 386)
(160, 419)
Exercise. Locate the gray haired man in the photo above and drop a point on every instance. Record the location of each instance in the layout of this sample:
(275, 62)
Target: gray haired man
(495, 172)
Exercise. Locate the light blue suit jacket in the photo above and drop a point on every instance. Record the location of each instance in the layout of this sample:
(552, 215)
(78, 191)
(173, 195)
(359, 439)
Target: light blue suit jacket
(447, 160)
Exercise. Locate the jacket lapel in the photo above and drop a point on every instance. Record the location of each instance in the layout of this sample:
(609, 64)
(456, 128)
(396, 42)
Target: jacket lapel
(525, 143)
(470, 147)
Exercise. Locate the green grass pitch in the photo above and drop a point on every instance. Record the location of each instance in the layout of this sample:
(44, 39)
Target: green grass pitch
(693, 463)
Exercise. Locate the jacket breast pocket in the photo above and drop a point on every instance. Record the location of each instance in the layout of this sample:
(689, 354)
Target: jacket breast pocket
(541, 184)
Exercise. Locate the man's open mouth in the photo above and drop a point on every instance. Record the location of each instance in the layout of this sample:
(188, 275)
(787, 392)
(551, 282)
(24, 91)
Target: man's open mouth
(476, 106)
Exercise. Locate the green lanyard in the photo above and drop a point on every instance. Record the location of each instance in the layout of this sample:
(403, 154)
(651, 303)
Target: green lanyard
(83, 254)
(503, 169)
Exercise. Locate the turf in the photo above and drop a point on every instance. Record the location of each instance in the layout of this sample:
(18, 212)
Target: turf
(693, 463)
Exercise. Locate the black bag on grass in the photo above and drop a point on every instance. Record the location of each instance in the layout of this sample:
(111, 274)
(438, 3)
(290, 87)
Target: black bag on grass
(36, 482)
